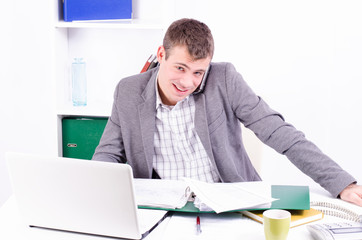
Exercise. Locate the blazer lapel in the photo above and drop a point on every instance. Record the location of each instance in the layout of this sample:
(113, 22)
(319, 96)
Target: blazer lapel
(147, 114)
(201, 125)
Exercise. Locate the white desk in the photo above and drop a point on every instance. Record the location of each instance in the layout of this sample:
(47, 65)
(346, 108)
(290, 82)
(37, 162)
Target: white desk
(181, 227)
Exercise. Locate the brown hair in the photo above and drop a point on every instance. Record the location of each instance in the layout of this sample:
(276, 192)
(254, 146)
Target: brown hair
(193, 34)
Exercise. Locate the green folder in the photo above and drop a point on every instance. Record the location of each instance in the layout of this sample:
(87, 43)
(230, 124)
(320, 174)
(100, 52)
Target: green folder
(289, 197)
(81, 136)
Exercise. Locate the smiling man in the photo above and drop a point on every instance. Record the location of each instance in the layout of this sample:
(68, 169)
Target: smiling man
(179, 74)
(182, 119)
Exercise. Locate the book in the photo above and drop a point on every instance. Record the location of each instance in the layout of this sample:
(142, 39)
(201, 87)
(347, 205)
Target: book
(210, 197)
(299, 217)
(153, 64)
(148, 63)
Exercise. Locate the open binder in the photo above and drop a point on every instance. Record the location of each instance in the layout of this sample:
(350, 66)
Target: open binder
(177, 196)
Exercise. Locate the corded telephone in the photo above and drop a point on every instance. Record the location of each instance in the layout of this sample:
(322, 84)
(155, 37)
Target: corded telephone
(336, 231)
(351, 230)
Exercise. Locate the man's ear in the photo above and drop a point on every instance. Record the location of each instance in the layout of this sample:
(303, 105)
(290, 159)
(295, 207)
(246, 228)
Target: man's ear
(161, 54)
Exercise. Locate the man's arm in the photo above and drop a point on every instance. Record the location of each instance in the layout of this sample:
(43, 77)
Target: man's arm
(352, 194)
(271, 128)
(110, 147)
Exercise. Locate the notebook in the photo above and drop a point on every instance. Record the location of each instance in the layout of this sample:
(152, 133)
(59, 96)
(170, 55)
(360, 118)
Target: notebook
(79, 196)
(298, 218)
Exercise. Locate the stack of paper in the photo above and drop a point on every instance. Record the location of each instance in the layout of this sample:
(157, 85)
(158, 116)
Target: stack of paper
(156, 193)
(218, 197)
(223, 197)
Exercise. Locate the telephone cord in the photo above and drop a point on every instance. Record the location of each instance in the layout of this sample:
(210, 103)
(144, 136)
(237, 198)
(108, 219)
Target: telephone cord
(338, 211)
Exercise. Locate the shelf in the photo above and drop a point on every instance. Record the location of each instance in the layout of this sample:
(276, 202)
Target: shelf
(113, 24)
(112, 49)
(94, 111)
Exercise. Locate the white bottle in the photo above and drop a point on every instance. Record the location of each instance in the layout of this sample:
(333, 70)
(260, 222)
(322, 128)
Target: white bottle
(79, 82)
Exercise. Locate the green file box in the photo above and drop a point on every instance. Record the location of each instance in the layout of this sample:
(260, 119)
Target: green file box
(81, 136)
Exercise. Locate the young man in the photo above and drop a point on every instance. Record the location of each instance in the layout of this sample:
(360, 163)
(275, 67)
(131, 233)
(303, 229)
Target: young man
(182, 119)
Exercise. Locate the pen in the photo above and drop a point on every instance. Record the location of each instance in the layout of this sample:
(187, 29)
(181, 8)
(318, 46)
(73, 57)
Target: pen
(198, 225)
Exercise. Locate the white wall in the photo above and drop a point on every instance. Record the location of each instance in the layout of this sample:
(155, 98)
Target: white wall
(303, 57)
(26, 96)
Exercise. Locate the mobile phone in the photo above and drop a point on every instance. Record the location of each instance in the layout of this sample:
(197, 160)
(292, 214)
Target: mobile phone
(200, 88)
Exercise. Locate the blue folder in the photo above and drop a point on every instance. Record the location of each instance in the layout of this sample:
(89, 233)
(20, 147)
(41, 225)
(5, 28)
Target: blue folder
(81, 10)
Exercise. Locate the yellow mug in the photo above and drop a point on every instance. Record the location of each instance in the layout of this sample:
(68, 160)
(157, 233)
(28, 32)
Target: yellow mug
(276, 224)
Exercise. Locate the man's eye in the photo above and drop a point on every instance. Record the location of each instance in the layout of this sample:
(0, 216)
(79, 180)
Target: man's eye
(180, 68)
(198, 74)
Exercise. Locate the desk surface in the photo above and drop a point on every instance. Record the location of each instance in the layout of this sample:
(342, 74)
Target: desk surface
(179, 226)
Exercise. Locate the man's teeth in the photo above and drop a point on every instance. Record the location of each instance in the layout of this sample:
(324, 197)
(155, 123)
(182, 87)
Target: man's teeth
(180, 89)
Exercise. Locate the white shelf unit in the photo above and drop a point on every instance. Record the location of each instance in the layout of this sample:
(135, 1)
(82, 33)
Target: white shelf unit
(112, 50)
(126, 24)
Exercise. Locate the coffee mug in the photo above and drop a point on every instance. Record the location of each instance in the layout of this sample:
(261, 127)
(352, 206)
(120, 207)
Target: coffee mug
(276, 224)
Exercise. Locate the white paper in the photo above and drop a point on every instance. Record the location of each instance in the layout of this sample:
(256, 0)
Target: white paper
(222, 197)
(219, 197)
(230, 226)
(161, 193)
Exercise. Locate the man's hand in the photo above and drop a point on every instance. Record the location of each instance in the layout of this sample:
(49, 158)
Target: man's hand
(353, 194)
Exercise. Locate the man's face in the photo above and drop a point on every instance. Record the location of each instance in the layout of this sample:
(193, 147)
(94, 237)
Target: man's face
(179, 75)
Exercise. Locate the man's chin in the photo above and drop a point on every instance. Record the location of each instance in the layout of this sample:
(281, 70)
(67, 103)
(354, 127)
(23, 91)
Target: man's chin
(179, 99)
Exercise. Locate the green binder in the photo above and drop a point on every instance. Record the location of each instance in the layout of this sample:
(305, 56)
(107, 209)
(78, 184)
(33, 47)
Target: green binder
(289, 198)
(81, 136)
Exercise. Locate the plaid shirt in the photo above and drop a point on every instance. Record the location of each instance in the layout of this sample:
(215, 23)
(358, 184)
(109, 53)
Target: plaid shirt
(178, 149)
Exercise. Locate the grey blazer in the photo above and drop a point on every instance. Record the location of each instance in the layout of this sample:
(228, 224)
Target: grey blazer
(225, 101)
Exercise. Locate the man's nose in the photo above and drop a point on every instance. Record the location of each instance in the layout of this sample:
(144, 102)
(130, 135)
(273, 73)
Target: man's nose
(187, 82)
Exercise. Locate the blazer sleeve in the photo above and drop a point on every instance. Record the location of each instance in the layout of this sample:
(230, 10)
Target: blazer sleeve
(111, 147)
(271, 128)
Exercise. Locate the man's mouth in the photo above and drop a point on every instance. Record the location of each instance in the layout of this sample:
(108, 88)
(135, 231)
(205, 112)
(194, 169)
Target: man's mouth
(179, 89)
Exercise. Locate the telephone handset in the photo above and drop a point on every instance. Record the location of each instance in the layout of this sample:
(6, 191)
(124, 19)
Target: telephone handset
(336, 231)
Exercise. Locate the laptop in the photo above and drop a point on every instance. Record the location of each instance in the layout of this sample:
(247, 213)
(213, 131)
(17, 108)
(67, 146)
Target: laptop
(79, 196)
